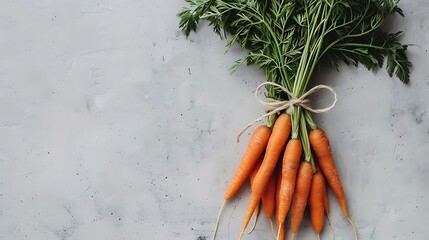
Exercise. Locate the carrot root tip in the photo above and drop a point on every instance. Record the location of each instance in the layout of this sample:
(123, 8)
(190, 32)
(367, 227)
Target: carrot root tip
(217, 220)
(241, 234)
(272, 229)
(354, 228)
(254, 223)
(330, 227)
(278, 231)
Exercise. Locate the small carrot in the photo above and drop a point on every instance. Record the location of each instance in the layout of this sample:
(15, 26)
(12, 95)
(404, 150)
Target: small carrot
(300, 196)
(290, 166)
(279, 136)
(256, 146)
(316, 202)
(321, 147)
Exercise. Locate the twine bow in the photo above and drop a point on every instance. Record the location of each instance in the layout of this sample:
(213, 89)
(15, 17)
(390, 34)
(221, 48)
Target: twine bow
(274, 106)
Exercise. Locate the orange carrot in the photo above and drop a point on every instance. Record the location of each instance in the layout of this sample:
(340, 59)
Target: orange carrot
(316, 202)
(290, 166)
(269, 196)
(300, 196)
(257, 143)
(279, 136)
(320, 144)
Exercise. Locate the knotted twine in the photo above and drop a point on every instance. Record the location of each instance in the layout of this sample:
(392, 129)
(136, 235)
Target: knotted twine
(274, 106)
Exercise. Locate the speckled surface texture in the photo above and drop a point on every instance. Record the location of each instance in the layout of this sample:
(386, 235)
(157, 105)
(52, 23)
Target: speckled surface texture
(114, 126)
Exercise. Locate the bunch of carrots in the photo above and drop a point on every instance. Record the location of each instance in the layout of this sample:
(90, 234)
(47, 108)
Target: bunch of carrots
(289, 40)
(283, 181)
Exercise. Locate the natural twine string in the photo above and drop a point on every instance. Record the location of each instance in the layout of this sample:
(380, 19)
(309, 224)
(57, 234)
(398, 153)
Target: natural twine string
(275, 106)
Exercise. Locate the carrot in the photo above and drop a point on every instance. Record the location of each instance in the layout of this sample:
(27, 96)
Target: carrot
(290, 166)
(300, 196)
(256, 146)
(316, 202)
(269, 195)
(257, 143)
(278, 138)
(321, 147)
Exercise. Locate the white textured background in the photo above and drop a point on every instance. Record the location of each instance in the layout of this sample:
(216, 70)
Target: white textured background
(114, 126)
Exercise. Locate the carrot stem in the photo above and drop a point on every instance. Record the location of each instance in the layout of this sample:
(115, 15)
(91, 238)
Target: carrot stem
(308, 156)
(271, 120)
(217, 219)
(309, 119)
(296, 115)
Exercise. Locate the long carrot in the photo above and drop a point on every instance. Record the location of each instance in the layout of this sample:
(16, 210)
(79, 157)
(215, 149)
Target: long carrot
(300, 196)
(279, 136)
(316, 202)
(321, 147)
(256, 146)
(290, 166)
